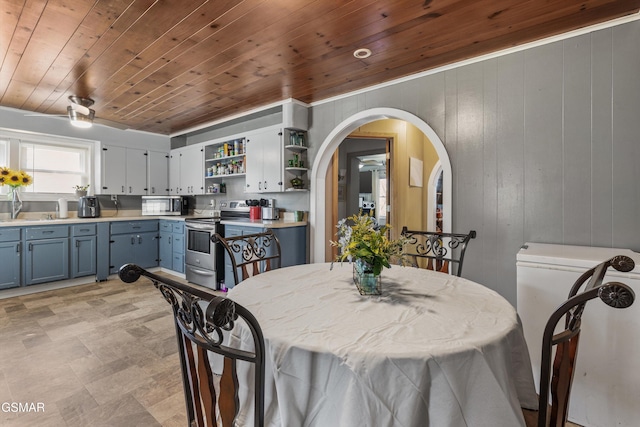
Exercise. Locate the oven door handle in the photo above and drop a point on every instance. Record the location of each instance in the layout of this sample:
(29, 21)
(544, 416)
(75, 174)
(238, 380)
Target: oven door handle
(200, 227)
(200, 271)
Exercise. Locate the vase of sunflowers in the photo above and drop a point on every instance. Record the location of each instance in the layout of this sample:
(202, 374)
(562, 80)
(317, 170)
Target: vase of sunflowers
(15, 180)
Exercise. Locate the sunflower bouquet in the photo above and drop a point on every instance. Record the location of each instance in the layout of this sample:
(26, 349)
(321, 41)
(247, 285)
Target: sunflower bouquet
(13, 178)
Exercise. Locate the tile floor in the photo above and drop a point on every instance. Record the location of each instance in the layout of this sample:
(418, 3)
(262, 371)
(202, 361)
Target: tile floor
(102, 354)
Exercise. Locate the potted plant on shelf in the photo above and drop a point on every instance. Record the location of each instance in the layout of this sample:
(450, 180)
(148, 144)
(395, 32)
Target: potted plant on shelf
(365, 243)
(81, 190)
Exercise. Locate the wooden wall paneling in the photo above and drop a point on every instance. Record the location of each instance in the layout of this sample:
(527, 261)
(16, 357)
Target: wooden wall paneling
(485, 251)
(409, 97)
(384, 97)
(510, 130)
(469, 158)
(431, 102)
(543, 144)
(576, 153)
(601, 139)
(626, 131)
(349, 107)
(450, 140)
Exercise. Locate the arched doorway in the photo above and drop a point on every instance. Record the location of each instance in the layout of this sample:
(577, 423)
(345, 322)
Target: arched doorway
(317, 212)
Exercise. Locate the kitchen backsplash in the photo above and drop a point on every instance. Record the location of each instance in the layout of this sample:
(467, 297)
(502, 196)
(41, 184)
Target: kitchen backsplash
(287, 201)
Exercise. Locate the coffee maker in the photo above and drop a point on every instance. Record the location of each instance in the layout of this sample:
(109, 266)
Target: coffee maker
(269, 210)
(88, 207)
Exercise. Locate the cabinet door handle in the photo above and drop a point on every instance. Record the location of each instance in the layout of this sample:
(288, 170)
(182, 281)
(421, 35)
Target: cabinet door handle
(139, 240)
(259, 185)
(265, 185)
(153, 190)
(169, 239)
(18, 247)
(47, 232)
(77, 243)
(30, 247)
(123, 188)
(129, 189)
(133, 240)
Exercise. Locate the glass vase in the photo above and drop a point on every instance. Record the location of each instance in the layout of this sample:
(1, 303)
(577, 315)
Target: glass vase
(366, 282)
(16, 203)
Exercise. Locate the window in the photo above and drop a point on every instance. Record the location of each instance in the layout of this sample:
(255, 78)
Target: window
(57, 164)
(4, 152)
(54, 168)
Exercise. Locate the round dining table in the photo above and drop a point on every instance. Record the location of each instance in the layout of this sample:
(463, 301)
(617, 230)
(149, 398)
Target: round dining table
(432, 350)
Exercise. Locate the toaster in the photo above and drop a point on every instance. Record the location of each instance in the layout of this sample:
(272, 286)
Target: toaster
(88, 207)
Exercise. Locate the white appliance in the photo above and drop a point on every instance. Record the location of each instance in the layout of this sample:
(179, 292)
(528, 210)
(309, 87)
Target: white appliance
(606, 385)
(63, 208)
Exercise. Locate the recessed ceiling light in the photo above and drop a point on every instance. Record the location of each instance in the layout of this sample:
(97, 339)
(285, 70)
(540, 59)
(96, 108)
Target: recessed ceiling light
(362, 53)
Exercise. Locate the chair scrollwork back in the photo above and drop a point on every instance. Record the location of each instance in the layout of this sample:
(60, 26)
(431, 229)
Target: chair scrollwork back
(203, 323)
(251, 254)
(442, 252)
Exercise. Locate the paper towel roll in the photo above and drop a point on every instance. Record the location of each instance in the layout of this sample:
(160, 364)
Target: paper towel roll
(63, 208)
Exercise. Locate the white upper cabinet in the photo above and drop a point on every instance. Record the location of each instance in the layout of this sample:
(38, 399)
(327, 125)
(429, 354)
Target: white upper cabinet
(186, 170)
(264, 161)
(124, 171)
(136, 175)
(133, 171)
(157, 173)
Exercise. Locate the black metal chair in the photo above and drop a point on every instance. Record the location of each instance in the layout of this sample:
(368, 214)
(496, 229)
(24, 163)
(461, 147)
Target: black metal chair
(439, 251)
(203, 321)
(558, 382)
(251, 254)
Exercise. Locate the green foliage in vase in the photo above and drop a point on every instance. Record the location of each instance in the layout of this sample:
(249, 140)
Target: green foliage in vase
(360, 238)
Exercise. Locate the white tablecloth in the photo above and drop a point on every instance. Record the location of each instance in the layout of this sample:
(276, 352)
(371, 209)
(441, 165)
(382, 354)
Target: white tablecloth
(432, 350)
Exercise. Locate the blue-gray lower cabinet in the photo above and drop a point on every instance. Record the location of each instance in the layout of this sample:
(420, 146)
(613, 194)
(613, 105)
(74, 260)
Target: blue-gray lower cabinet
(171, 245)
(10, 254)
(133, 242)
(178, 246)
(46, 254)
(83, 250)
(165, 250)
(293, 246)
(234, 231)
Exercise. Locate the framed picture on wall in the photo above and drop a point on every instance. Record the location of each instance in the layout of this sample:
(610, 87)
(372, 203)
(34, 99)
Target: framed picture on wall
(341, 191)
(415, 172)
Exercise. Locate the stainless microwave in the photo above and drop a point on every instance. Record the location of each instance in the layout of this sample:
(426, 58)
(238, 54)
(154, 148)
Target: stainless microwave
(165, 205)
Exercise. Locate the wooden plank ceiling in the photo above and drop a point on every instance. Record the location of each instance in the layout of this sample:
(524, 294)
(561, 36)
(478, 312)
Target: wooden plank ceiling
(164, 66)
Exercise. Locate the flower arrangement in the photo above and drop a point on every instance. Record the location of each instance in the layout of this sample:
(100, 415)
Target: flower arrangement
(366, 241)
(81, 187)
(13, 178)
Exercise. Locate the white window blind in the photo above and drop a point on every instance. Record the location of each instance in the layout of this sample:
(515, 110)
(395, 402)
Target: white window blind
(54, 168)
(56, 163)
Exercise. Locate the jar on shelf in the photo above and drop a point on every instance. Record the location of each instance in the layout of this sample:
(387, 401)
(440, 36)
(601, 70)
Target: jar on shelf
(293, 138)
(300, 139)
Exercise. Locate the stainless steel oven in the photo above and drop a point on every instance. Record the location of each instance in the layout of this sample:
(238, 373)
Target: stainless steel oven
(204, 262)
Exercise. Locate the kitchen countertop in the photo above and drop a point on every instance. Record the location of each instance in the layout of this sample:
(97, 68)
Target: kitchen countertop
(35, 221)
(263, 223)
